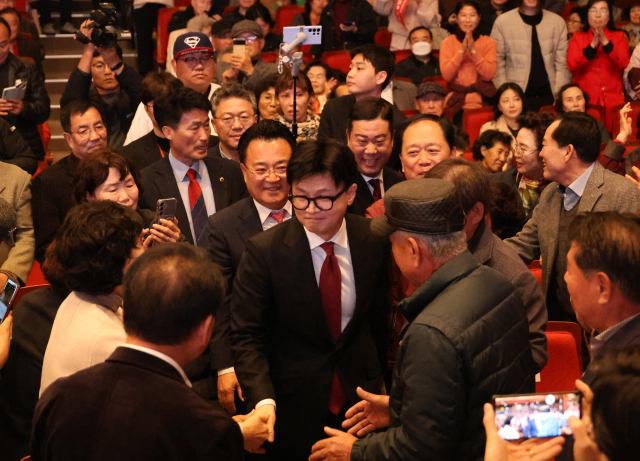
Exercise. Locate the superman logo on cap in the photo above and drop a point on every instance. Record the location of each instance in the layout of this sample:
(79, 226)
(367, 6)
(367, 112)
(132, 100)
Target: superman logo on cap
(192, 41)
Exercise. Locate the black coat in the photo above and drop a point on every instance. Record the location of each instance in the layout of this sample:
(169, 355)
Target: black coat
(464, 344)
(159, 182)
(364, 198)
(226, 238)
(53, 197)
(279, 335)
(117, 116)
(14, 149)
(37, 105)
(136, 407)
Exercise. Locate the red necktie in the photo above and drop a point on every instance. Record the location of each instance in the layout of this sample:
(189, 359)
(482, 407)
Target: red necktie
(331, 295)
(278, 216)
(198, 209)
(377, 193)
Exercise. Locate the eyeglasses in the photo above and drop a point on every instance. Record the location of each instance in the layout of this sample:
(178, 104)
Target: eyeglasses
(574, 21)
(261, 173)
(100, 67)
(86, 132)
(244, 119)
(595, 10)
(521, 153)
(192, 61)
(323, 203)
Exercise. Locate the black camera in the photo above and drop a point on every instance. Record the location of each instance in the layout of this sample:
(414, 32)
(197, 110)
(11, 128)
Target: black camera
(104, 28)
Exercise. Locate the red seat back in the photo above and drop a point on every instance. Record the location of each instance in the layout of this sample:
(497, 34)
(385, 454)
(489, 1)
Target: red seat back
(164, 16)
(36, 277)
(25, 290)
(339, 59)
(269, 56)
(383, 37)
(284, 16)
(563, 368)
(438, 79)
(567, 10)
(401, 54)
(228, 9)
(597, 112)
(576, 332)
(409, 112)
(473, 119)
(635, 109)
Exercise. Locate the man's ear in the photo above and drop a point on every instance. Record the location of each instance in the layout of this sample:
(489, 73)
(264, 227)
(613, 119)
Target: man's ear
(174, 63)
(605, 287)
(381, 77)
(67, 137)
(167, 131)
(351, 193)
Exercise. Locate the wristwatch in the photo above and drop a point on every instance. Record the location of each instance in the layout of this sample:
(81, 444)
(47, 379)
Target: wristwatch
(117, 66)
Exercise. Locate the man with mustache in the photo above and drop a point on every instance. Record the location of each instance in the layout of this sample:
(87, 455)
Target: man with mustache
(202, 185)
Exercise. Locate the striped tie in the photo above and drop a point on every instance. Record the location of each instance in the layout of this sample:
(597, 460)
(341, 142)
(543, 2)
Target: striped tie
(198, 209)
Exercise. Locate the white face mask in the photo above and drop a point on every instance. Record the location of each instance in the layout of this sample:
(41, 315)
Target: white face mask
(421, 48)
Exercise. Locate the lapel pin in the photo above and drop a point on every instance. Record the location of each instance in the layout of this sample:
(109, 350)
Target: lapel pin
(221, 179)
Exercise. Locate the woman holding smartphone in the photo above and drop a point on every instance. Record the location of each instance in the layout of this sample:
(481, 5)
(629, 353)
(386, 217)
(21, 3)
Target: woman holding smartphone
(107, 175)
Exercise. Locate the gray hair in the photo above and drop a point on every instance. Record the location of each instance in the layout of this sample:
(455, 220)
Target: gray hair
(232, 90)
(198, 23)
(441, 247)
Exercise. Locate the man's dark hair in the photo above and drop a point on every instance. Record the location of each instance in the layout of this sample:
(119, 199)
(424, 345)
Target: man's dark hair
(313, 158)
(504, 87)
(156, 84)
(615, 410)
(168, 109)
(445, 125)
(416, 29)
(96, 53)
(537, 122)
(93, 170)
(380, 58)
(470, 179)
(10, 10)
(167, 313)
(559, 106)
(266, 130)
(371, 109)
(76, 107)
(258, 10)
(6, 24)
(488, 139)
(609, 242)
(506, 210)
(580, 130)
(328, 71)
(93, 244)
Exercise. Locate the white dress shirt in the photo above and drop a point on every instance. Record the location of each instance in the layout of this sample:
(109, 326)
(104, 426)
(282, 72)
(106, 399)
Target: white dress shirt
(142, 124)
(369, 178)
(86, 330)
(343, 254)
(267, 223)
(180, 171)
(387, 93)
(161, 356)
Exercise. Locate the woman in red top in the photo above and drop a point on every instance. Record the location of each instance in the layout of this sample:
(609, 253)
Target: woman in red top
(597, 58)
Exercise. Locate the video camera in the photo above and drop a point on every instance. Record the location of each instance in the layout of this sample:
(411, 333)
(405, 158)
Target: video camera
(104, 28)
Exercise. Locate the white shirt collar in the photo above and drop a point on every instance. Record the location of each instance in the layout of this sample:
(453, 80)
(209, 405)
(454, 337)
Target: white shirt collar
(264, 212)
(340, 238)
(161, 356)
(180, 169)
(222, 154)
(369, 178)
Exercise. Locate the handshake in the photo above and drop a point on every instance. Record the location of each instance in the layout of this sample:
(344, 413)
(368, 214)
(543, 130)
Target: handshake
(257, 427)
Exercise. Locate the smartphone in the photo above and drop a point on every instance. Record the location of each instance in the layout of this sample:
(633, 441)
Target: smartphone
(165, 209)
(239, 46)
(535, 415)
(6, 298)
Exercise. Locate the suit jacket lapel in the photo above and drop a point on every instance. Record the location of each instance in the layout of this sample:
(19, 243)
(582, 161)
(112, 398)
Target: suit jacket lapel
(363, 195)
(298, 259)
(250, 218)
(218, 182)
(592, 191)
(168, 187)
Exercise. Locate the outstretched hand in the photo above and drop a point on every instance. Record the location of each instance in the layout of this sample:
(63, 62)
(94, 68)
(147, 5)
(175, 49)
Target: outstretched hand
(371, 413)
(626, 127)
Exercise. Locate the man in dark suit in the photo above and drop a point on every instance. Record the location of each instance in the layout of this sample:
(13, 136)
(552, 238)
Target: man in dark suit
(53, 194)
(201, 185)
(309, 305)
(265, 150)
(370, 133)
(138, 405)
(372, 69)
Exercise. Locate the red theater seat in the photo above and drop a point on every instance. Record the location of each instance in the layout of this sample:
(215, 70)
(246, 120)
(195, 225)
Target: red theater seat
(164, 16)
(339, 59)
(383, 37)
(473, 119)
(284, 16)
(563, 368)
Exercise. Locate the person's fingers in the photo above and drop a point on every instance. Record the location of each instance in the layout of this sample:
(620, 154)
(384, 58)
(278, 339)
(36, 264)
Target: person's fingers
(366, 430)
(332, 432)
(364, 395)
(489, 421)
(357, 408)
(319, 454)
(240, 392)
(354, 419)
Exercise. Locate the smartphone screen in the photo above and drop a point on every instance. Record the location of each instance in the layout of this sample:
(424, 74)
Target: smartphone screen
(535, 415)
(6, 298)
(239, 46)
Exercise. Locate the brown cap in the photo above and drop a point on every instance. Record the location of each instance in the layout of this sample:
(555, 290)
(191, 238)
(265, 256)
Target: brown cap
(246, 26)
(420, 206)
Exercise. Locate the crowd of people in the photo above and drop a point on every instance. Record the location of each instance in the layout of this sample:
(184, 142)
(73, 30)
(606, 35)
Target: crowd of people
(246, 264)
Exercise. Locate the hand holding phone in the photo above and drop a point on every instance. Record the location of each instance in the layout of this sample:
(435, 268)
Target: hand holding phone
(239, 46)
(8, 295)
